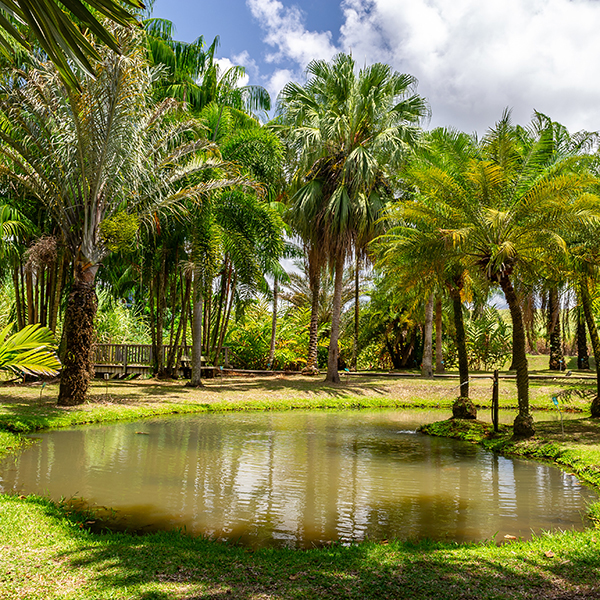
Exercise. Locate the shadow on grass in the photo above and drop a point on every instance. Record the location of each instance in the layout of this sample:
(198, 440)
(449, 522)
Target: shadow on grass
(171, 565)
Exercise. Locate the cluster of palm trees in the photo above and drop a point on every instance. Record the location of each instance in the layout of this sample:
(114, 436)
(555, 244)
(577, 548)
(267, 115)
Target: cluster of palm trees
(137, 165)
(516, 209)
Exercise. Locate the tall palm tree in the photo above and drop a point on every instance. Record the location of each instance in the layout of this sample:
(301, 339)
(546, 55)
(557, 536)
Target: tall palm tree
(523, 197)
(100, 156)
(349, 130)
(419, 246)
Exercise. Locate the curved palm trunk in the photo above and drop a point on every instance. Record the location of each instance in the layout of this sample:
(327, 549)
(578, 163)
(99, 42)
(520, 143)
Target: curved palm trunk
(427, 364)
(79, 335)
(197, 314)
(586, 303)
(439, 354)
(332, 361)
(523, 425)
(583, 361)
(462, 408)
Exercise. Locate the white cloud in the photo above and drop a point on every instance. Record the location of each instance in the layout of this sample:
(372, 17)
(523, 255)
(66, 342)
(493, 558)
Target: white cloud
(472, 58)
(225, 64)
(286, 33)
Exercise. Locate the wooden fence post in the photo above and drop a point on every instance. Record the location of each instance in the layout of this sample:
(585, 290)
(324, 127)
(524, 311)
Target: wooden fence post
(495, 401)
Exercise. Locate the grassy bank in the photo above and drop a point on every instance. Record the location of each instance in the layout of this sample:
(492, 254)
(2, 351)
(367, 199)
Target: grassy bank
(30, 408)
(47, 551)
(46, 555)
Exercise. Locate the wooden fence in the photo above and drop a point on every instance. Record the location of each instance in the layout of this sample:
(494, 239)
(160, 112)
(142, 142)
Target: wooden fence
(129, 359)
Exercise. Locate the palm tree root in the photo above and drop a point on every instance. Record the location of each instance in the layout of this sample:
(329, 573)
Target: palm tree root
(79, 333)
(523, 426)
(463, 408)
(310, 371)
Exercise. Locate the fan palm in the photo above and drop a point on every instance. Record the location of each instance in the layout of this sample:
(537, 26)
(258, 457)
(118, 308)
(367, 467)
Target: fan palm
(348, 130)
(103, 160)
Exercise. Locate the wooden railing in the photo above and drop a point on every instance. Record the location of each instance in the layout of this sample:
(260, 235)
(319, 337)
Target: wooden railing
(142, 354)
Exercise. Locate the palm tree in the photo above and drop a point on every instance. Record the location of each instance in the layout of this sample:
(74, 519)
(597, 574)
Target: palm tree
(104, 161)
(419, 247)
(523, 196)
(59, 35)
(349, 130)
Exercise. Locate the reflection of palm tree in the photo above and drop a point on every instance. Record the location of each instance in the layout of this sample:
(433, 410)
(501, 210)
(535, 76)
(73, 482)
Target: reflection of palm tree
(348, 130)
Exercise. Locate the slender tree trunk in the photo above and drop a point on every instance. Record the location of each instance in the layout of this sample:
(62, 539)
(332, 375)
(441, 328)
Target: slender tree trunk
(61, 261)
(586, 303)
(356, 311)
(227, 316)
(175, 352)
(314, 275)
(30, 304)
(523, 425)
(18, 303)
(273, 324)
(439, 353)
(79, 334)
(583, 361)
(161, 305)
(554, 334)
(462, 407)
(225, 280)
(332, 360)
(198, 310)
(427, 364)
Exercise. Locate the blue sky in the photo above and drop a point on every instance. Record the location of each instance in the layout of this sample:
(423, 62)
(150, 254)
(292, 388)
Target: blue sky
(472, 58)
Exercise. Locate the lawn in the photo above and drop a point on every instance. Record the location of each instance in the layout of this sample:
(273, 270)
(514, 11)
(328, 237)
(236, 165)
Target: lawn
(48, 550)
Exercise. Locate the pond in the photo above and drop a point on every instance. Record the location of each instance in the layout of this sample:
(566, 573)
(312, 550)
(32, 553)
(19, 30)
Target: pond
(299, 478)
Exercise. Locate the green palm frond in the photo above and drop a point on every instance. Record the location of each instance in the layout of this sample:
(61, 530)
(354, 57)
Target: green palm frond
(31, 351)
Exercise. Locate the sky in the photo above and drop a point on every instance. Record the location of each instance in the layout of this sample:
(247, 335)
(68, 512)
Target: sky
(472, 58)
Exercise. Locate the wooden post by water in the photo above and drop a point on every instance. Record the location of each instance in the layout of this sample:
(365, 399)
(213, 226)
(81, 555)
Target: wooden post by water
(495, 401)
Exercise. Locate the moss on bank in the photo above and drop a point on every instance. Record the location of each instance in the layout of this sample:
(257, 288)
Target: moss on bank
(578, 449)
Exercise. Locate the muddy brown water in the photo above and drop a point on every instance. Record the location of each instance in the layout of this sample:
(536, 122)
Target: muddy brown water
(299, 478)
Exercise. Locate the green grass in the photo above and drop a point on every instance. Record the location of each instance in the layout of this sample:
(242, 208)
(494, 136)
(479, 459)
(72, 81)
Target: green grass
(47, 555)
(47, 550)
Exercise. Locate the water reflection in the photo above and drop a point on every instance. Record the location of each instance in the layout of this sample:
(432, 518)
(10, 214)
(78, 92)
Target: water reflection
(298, 478)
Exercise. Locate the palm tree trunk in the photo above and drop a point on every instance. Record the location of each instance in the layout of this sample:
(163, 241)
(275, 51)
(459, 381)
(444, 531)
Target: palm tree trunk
(332, 360)
(314, 271)
(523, 425)
(198, 313)
(554, 333)
(427, 364)
(356, 311)
(586, 303)
(79, 335)
(439, 353)
(273, 324)
(462, 408)
(583, 361)
(229, 306)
